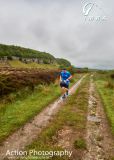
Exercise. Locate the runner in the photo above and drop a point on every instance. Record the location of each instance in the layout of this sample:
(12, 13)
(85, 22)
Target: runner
(65, 77)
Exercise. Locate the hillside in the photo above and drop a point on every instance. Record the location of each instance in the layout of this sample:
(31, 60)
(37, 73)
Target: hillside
(15, 53)
(63, 62)
(10, 50)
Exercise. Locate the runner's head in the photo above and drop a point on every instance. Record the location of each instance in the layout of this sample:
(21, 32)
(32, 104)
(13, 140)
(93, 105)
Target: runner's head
(64, 70)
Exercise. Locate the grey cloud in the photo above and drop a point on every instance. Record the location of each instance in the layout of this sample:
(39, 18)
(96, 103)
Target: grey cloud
(59, 27)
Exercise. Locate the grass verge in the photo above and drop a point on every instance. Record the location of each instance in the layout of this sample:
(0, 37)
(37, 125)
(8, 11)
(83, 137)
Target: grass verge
(16, 114)
(107, 96)
(13, 115)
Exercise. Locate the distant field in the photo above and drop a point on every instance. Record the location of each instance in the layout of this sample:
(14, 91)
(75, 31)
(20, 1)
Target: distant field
(19, 64)
(3, 65)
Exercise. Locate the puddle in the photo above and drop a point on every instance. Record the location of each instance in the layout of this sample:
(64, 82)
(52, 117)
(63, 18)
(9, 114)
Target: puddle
(93, 119)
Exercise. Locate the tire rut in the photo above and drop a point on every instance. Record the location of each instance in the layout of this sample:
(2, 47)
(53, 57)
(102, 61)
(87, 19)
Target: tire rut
(100, 144)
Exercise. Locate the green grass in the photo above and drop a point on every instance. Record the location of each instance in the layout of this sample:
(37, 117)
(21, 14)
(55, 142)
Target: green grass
(107, 95)
(72, 114)
(23, 108)
(19, 64)
(80, 144)
(13, 115)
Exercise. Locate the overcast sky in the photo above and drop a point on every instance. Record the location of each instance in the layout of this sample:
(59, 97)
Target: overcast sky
(60, 28)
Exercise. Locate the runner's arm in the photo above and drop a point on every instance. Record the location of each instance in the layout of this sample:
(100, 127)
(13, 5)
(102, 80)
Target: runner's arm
(60, 78)
(69, 77)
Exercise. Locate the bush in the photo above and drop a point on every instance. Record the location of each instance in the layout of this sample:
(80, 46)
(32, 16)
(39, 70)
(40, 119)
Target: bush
(9, 57)
(109, 84)
(21, 78)
(45, 61)
(112, 75)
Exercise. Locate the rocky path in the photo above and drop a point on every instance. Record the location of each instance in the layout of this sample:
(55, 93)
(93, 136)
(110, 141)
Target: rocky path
(25, 135)
(100, 144)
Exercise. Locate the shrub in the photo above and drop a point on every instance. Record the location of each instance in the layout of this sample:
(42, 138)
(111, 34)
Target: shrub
(21, 78)
(112, 75)
(9, 57)
(109, 84)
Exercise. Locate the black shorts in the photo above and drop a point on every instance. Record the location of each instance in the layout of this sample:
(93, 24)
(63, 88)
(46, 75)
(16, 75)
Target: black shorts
(63, 84)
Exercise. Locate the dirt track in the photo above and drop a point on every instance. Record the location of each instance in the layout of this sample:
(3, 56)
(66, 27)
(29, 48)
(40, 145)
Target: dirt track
(100, 144)
(25, 135)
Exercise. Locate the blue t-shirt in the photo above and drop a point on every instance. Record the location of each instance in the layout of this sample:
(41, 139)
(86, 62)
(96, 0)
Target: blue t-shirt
(65, 75)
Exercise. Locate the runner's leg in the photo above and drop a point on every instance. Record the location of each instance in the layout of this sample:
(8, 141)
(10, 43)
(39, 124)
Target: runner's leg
(67, 88)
